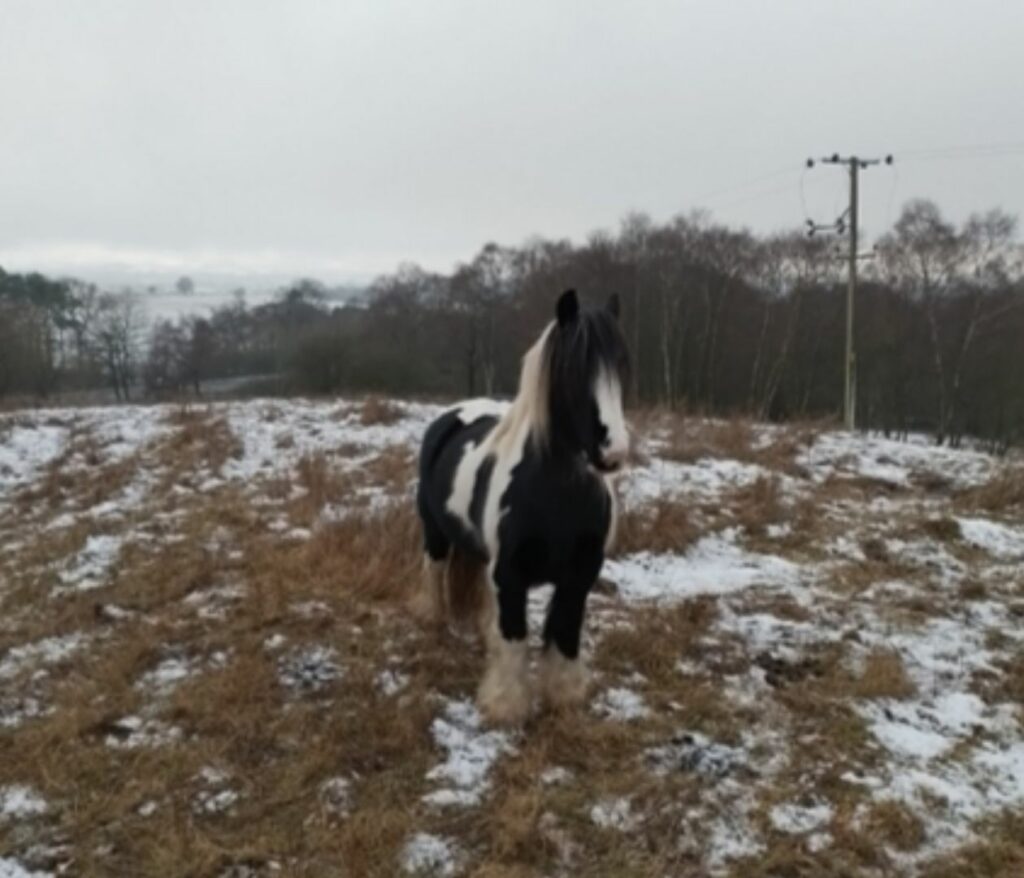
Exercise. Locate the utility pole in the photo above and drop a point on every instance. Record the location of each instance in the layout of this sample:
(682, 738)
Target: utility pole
(855, 165)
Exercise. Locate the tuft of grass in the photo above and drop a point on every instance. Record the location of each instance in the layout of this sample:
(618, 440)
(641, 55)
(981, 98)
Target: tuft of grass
(875, 549)
(377, 410)
(999, 854)
(895, 824)
(203, 440)
(1002, 493)
(759, 505)
(662, 526)
(375, 555)
(883, 676)
(945, 530)
(656, 639)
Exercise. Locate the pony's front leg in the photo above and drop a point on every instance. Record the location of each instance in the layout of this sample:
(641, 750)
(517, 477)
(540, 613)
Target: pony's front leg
(563, 673)
(504, 695)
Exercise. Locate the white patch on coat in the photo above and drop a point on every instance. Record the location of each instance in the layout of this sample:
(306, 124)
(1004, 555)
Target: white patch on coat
(470, 410)
(461, 497)
(508, 456)
(608, 396)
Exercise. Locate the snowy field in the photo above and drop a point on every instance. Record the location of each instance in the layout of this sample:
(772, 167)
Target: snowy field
(807, 658)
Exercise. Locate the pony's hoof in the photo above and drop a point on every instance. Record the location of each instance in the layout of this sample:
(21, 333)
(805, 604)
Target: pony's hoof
(503, 702)
(563, 682)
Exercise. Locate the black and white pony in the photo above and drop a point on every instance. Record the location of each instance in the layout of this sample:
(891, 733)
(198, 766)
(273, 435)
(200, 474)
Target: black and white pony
(521, 493)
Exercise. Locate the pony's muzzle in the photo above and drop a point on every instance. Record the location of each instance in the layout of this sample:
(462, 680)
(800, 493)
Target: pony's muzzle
(613, 457)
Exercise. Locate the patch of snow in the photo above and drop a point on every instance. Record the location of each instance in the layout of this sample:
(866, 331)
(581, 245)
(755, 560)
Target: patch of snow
(621, 705)
(891, 461)
(999, 540)
(310, 609)
(426, 854)
(214, 603)
(132, 732)
(818, 841)
(275, 437)
(391, 682)
(928, 555)
(48, 651)
(19, 802)
(336, 795)
(555, 776)
(614, 813)
(692, 752)
(905, 739)
(731, 836)
(89, 568)
(167, 675)
(210, 774)
(309, 669)
(25, 448)
(714, 565)
(11, 868)
(14, 711)
(471, 751)
(214, 802)
(797, 819)
(704, 479)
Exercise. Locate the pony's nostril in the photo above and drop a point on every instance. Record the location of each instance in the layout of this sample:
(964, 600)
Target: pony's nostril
(615, 455)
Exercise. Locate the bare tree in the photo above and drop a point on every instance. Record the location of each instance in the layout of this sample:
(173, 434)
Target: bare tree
(116, 334)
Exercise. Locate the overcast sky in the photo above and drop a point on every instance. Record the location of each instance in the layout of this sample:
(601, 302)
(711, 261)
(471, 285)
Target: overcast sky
(339, 138)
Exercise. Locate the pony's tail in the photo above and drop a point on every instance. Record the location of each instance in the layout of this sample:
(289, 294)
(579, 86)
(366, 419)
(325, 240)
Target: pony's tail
(467, 589)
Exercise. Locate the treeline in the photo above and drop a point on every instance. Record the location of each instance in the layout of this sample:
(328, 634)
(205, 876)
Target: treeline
(719, 321)
(60, 335)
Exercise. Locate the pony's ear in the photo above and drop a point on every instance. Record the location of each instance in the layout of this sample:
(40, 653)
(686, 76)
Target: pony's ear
(568, 307)
(613, 305)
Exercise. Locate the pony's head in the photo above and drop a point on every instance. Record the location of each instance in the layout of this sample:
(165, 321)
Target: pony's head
(587, 364)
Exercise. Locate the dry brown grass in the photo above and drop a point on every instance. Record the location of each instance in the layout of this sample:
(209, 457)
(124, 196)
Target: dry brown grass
(691, 440)
(662, 526)
(378, 410)
(945, 530)
(278, 745)
(1002, 493)
(1000, 854)
(393, 469)
(78, 476)
(374, 556)
(735, 438)
(655, 639)
(202, 443)
(758, 505)
(883, 676)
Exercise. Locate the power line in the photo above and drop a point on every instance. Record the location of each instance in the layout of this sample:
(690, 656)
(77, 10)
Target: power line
(855, 165)
(981, 150)
(740, 187)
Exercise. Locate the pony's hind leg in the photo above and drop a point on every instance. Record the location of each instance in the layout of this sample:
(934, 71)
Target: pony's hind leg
(504, 694)
(429, 602)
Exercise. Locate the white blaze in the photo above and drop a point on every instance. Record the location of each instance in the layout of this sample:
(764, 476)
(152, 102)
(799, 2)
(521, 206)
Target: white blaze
(608, 394)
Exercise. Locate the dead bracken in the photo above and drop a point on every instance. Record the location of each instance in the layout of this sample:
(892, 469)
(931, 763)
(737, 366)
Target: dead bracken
(796, 670)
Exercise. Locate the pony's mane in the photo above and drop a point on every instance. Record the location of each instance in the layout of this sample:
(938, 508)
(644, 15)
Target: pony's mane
(529, 411)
